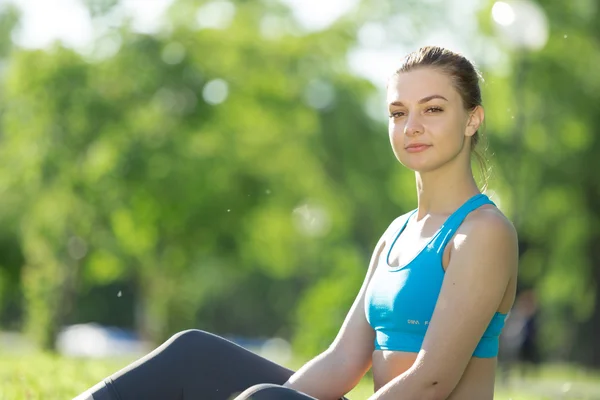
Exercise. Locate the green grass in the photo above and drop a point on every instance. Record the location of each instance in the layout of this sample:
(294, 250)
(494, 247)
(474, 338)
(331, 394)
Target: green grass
(35, 376)
(552, 382)
(47, 376)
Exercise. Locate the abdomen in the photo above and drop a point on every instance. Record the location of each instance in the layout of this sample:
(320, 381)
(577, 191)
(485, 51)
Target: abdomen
(476, 383)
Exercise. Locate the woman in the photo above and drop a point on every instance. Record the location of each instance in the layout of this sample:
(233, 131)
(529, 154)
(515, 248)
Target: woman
(434, 300)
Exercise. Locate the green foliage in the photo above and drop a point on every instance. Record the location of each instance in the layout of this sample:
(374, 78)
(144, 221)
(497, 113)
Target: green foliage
(542, 120)
(128, 170)
(230, 179)
(325, 305)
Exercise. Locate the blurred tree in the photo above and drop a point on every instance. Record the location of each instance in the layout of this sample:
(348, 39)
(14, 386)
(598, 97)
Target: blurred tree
(223, 173)
(9, 20)
(11, 255)
(542, 118)
(214, 170)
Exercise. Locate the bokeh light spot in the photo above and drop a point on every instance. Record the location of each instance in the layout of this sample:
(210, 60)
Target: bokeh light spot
(215, 91)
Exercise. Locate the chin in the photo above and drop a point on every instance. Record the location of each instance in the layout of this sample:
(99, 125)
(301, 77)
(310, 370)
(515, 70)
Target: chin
(422, 169)
(417, 165)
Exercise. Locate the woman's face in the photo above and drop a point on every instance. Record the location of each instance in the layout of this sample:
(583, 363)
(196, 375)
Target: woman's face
(428, 124)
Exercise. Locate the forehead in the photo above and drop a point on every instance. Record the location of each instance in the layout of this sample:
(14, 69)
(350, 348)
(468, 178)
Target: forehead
(414, 85)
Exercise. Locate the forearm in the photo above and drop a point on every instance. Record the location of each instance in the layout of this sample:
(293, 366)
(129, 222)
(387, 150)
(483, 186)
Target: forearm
(326, 377)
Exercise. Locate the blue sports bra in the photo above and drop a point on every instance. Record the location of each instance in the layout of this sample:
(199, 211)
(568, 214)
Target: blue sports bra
(400, 300)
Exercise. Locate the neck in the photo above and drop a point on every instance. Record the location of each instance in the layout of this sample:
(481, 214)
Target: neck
(442, 191)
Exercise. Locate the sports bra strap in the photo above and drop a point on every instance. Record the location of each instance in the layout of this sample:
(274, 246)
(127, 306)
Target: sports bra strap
(449, 228)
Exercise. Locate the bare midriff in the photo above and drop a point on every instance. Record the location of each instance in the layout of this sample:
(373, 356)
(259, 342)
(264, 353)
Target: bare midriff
(476, 383)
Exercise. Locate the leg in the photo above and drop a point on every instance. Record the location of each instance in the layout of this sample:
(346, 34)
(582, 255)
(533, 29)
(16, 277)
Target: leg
(272, 392)
(191, 365)
(269, 391)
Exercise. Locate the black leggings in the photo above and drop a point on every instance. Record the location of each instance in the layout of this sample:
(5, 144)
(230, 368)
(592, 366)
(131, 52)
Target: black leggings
(196, 365)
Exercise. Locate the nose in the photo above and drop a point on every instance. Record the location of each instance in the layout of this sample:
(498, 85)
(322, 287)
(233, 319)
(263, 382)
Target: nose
(413, 126)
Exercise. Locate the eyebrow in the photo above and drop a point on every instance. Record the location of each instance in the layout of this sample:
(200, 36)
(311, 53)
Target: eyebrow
(423, 100)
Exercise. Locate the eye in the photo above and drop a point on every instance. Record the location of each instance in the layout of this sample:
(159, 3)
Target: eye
(396, 114)
(434, 109)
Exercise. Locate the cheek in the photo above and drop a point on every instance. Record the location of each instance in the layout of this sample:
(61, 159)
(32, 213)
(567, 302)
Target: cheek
(393, 126)
(396, 129)
(396, 136)
(450, 132)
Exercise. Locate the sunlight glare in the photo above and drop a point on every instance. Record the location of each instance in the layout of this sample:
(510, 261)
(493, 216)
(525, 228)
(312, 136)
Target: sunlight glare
(503, 13)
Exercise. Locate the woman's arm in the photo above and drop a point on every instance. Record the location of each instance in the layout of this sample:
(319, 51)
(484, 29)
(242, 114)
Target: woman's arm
(337, 370)
(483, 261)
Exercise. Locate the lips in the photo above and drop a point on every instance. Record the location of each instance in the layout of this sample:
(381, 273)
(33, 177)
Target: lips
(417, 147)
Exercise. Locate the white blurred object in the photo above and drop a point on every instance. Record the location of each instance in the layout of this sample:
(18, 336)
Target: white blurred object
(277, 350)
(319, 94)
(16, 342)
(503, 13)
(96, 341)
(315, 15)
(69, 21)
(372, 35)
(311, 220)
(521, 23)
(215, 91)
(215, 15)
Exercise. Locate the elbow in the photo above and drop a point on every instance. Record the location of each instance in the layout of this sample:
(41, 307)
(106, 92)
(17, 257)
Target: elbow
(427, 385)
(433, 382)
(437, 390)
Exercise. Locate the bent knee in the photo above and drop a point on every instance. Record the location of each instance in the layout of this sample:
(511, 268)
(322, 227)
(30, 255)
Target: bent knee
(192, 339)
(191, 334)
(269, 391)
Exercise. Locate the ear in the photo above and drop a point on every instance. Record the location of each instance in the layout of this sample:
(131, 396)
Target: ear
(476, 118)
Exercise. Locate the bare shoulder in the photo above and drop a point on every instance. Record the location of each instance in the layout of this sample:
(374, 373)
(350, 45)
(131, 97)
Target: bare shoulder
(488, 222)
(487, 233)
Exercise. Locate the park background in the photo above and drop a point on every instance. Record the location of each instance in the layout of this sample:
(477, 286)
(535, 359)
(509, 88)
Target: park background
(224, 165)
